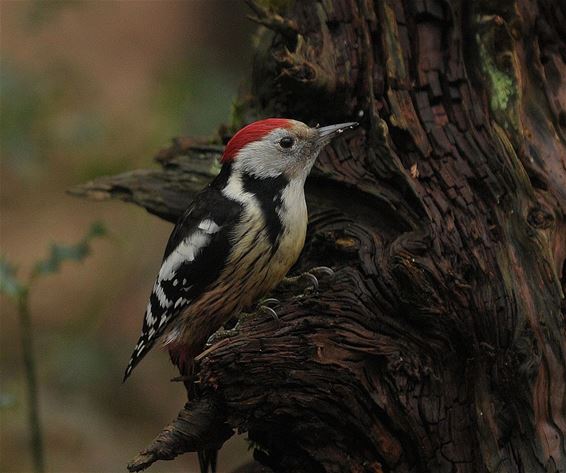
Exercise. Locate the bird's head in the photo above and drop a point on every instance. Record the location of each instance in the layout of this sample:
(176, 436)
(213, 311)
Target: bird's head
(278, 146)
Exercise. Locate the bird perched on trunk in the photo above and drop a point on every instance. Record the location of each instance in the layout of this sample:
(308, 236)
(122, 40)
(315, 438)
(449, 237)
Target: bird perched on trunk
(236, 240)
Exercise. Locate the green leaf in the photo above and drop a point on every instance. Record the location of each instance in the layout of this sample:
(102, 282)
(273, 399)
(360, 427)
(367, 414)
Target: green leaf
(60, 253)
(9, 284)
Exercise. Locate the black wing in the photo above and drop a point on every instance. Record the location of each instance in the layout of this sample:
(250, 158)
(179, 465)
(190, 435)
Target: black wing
(196, 253)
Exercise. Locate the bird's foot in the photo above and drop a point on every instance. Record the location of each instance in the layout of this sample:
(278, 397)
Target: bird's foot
(222, 334)
(308, 280)
(269, 302)
(265, 309)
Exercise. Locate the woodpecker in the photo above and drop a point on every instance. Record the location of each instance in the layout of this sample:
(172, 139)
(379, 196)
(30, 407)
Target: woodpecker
(237, 240)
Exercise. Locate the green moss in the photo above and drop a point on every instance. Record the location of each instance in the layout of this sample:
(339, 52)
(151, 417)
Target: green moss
(497, 62)
(502, 85)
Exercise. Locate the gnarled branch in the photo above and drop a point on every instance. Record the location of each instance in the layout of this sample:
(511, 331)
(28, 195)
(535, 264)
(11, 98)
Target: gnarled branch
(186, 168)
(199, 425)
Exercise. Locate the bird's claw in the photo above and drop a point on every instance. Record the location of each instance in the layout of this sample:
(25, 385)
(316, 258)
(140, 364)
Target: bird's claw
(223, 333)
(322, 272)
(309, 279)
(270, 301)
(269, 311)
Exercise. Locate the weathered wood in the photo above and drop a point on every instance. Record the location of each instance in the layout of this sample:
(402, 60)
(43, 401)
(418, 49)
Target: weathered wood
(440, 345)
(186, 168)
(199, 425)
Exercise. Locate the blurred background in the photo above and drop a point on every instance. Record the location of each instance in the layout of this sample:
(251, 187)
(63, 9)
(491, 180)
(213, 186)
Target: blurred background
(90, 88)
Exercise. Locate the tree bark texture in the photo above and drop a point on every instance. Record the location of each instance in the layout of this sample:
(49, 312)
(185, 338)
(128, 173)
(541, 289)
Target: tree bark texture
(439, 346)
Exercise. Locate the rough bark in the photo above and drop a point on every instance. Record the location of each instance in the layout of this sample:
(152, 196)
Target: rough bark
(440, 344)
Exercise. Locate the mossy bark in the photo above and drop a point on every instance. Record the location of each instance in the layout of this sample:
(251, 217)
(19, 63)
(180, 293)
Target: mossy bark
(440, 345)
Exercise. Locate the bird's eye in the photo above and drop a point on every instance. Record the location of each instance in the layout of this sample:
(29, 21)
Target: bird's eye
(286, 142)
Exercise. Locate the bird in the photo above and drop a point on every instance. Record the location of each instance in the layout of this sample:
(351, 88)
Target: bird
(235, 242)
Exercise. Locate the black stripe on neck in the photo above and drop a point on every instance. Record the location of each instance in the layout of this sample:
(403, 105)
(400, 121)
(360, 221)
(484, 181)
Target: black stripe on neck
(268, 191)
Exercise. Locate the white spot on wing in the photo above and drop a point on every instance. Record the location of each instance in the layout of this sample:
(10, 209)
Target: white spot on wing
(158, 291)
(208, 226)
(185, 252)
(150, 319)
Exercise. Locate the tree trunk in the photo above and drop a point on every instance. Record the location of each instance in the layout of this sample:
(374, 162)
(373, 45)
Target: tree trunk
(440, 344)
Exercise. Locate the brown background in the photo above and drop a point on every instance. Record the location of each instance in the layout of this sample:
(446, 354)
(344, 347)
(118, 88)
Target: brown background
(92, 88)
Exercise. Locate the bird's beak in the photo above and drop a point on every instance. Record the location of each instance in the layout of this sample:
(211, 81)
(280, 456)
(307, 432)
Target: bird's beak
(327, 133)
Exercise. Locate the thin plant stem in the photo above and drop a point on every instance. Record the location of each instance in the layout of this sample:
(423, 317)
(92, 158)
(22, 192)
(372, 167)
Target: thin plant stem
(31, 382)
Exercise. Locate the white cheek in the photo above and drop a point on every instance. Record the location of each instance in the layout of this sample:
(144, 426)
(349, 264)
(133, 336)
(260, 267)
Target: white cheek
(262, 159)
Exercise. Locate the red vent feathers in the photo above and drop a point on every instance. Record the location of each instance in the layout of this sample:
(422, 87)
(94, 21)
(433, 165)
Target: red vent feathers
(252, 132)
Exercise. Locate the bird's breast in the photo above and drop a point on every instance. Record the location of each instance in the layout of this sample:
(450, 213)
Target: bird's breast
(261, 262)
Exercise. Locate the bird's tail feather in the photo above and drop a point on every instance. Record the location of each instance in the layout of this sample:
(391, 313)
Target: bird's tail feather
(207, 459)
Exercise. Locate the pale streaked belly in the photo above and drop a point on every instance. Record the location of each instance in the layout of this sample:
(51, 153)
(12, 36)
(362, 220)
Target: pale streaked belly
(252, 271)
